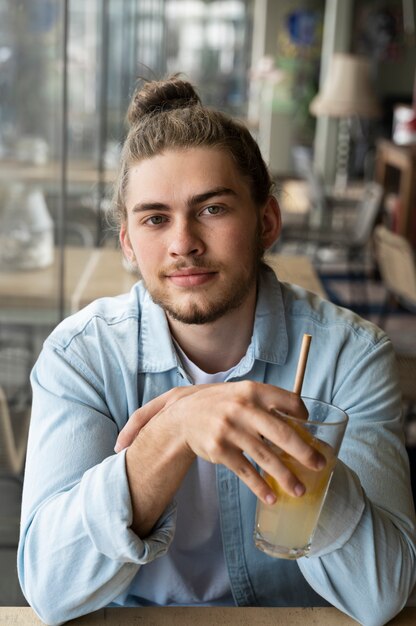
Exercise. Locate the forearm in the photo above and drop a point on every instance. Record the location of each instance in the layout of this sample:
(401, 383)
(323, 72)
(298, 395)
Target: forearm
(362, 553)
(366, 540)
(62, 575)
(77, 552)
(65, 568)
(156, 464)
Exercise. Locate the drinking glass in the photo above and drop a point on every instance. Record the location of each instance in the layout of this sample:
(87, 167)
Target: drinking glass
(285, 529)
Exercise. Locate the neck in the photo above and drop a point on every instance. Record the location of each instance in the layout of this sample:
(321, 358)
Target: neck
(218, 346)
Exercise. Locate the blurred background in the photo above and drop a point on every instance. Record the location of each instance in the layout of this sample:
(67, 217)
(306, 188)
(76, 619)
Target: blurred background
(328, 89)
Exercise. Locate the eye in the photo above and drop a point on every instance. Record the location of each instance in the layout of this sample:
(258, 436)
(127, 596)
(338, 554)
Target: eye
(155, 220)
(213, 209)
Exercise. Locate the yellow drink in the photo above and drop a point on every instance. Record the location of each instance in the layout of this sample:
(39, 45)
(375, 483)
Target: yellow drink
(285, 529)
(288, 525)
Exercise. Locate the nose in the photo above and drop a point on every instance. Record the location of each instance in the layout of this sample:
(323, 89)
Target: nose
(185, 239)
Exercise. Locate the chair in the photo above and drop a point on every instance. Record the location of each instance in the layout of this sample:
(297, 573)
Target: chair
(15, 363)
(352, 238)
(13, 441)
(396, 264)
(407, 377)
(16, 360)
(10, 497)
(397, 269)
(324, 207)
(12, 456)
(303, 164)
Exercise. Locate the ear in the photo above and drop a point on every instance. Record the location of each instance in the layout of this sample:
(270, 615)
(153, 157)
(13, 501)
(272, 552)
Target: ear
(271, 222)
(126, 245)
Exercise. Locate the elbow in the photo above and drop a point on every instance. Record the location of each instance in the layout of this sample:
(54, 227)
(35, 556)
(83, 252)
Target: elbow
(381, 610)
(40, 602)
(49, 610)
(41, 605)
(48, 616)
(376, 618)
(62, 589)
(39, 591)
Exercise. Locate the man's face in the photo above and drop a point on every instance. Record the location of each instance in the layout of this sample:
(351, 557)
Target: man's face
(194, 232)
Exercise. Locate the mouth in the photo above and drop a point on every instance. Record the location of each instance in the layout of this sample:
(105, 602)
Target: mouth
(191, 276)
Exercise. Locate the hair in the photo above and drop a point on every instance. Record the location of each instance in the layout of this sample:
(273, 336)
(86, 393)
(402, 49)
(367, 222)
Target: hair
(168, 115)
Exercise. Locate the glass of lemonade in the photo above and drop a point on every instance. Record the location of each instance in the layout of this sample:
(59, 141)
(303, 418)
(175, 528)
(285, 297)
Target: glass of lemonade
(285, 529)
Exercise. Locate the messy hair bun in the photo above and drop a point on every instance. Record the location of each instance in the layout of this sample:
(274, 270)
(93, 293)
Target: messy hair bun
(156, 96)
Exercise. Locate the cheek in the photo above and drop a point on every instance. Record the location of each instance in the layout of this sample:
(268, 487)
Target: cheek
(243, 238)
(145, 254)
(148, 255)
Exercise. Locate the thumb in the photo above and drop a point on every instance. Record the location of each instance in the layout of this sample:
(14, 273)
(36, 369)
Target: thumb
(137, 420)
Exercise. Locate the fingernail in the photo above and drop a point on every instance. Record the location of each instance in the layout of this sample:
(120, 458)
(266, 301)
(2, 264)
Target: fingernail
(270, 498)
(117, 447)
(299, 489)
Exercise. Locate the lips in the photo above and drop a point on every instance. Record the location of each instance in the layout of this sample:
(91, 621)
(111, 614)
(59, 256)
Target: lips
(191, 276)
(190, 271)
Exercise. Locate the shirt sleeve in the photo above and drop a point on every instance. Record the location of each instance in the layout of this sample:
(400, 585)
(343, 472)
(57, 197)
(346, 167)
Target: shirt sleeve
(363, 554)
(77, 551)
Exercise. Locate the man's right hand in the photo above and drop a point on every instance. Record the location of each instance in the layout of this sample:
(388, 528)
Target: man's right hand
(223, 423)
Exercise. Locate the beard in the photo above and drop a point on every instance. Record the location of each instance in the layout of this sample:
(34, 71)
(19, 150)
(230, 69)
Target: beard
(208, 308)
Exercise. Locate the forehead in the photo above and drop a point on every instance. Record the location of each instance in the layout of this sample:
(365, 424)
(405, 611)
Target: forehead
(182, 173)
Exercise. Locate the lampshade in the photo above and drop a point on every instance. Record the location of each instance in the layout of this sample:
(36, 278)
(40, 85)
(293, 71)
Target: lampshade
(347, 90)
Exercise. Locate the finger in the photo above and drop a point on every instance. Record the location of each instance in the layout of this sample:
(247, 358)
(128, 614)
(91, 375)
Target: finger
(281, 473)
(138, 419)
(284, 401)
(270, 397)
(266, 458)
(247, 473)
(144, 414)
(281, 434)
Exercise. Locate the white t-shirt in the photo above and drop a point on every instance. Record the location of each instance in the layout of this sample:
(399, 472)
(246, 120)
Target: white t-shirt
(193, 572)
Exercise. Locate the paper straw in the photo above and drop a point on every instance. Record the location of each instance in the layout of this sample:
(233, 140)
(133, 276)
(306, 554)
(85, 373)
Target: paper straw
(303, 357)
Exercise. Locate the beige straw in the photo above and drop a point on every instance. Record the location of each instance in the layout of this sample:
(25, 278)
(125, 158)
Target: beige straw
(303, 357)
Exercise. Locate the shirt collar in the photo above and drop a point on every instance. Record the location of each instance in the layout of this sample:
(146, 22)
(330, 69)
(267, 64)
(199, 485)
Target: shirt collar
(269, 341)
(156, 349)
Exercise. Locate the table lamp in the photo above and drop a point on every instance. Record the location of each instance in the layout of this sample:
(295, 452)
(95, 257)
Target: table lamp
(347, 93)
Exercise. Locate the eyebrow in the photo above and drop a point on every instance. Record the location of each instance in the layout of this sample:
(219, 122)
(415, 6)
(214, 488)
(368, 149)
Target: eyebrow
(193, 200)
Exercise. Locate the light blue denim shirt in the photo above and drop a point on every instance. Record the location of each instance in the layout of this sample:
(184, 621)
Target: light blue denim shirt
(77, 552)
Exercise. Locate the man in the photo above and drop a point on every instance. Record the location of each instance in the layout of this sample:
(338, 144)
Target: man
(180, 376)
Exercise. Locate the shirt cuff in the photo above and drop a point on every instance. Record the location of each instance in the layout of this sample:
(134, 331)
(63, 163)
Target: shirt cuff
(342, 511)
(107, 515)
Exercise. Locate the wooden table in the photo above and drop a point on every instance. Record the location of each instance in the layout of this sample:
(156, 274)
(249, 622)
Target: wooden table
(39, 288)
(105, 275)
(30, 299)
(297, 269)
(91, 273)
(402, 158)
(218, 616)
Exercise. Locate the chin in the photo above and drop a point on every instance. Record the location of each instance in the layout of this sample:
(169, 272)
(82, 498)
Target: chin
(197, 307)
(201, 313)
(197, 317)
